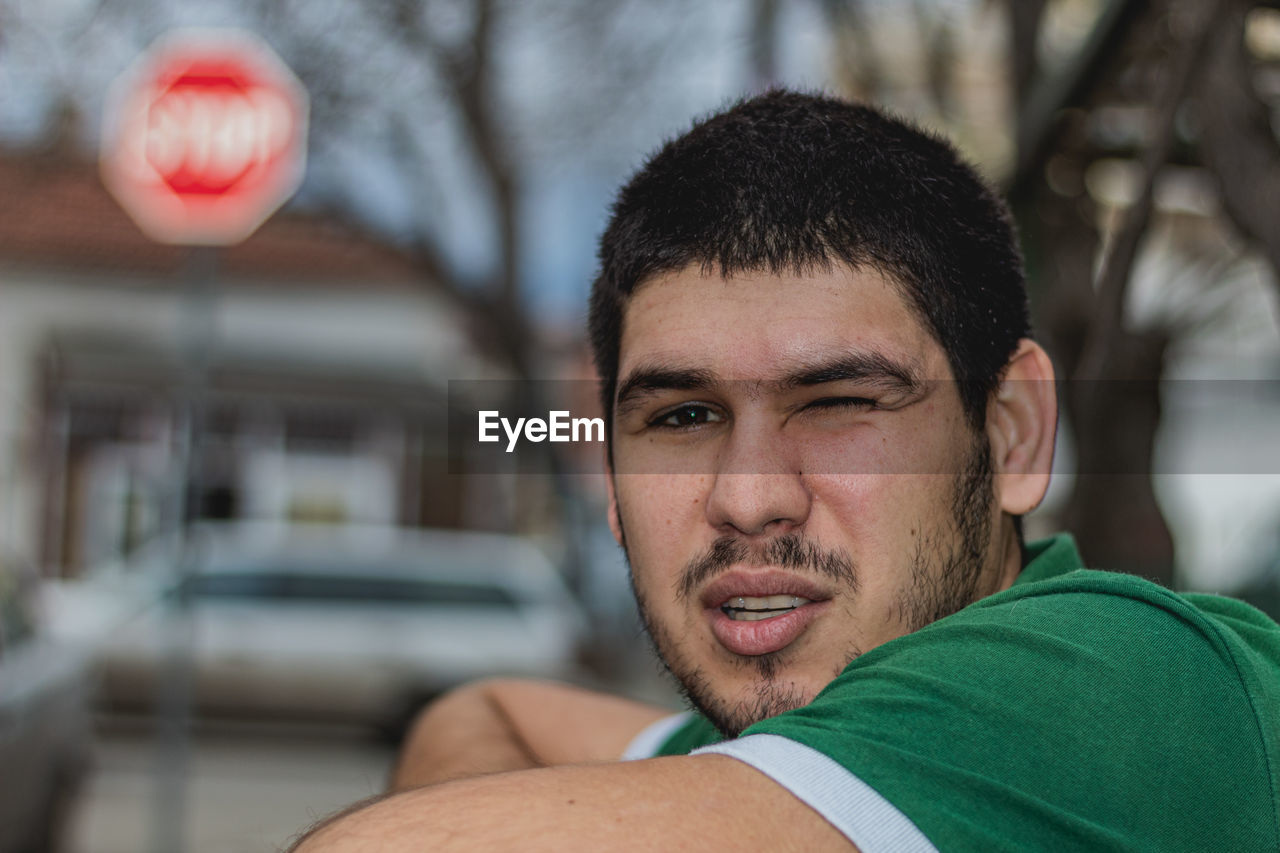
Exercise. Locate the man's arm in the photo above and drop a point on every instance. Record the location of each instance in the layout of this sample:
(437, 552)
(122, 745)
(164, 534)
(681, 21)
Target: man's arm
(704, 802)
(501, 725)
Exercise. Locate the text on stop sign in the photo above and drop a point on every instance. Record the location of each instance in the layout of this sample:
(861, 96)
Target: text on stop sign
(205, 138)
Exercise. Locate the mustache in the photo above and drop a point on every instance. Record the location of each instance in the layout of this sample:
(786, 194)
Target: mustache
(790, 551)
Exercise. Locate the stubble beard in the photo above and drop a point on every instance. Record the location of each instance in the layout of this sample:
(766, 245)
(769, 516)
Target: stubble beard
(770, 694)
(946, 566)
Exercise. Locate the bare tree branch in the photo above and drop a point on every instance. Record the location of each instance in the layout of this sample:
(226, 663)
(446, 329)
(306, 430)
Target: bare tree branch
(1117, 263)
(764, 42)
(1238, 144)
(1041, 108)
(1024, 31)
(468, 71)
(938, 38)
(859, 66)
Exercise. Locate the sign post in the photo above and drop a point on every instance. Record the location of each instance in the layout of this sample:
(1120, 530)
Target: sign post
(204, 137)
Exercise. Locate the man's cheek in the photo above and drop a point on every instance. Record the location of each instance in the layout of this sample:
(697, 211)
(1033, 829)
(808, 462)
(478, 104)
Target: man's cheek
(662, 502)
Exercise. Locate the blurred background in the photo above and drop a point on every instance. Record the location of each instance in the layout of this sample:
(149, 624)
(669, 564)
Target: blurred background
(235, 554)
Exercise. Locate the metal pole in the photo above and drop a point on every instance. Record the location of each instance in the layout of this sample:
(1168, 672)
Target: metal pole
(174, 688)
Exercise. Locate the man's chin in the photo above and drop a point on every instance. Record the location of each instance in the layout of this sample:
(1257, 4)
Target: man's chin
(741, 707)
(733, 691)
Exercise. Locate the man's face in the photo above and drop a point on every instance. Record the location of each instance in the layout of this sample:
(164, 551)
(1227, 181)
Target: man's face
(794, 481)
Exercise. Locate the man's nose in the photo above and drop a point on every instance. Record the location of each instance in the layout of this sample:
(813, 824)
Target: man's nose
(758, 487)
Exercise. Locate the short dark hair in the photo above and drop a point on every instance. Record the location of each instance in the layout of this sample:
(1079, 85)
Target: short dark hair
(786, 181)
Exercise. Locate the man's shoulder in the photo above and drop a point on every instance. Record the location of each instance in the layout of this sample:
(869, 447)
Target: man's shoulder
(1115, 625)
(1079, 701)
(1090, 599)
(1089, 625)
(1081, 592)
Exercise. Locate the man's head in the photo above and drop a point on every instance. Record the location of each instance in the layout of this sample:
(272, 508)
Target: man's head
(811, 327)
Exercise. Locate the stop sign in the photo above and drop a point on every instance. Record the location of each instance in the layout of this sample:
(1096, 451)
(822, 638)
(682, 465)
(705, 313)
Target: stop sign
(204, 137)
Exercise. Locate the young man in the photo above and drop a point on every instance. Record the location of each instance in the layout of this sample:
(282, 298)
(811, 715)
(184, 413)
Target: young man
(826, 419)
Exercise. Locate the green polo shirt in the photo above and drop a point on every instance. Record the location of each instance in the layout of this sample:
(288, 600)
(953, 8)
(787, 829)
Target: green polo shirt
(1077, 710)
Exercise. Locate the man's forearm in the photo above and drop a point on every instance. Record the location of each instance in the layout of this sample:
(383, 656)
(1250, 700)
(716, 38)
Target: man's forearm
(687, 803)
(500, 725)
(465, 733)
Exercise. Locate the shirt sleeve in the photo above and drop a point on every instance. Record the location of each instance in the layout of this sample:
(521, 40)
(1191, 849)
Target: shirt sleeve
(1065, 717)
(678, 734)
(648, 743)
(852, 806)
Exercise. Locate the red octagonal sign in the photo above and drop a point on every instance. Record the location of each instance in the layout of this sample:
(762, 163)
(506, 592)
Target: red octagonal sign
(204, 137)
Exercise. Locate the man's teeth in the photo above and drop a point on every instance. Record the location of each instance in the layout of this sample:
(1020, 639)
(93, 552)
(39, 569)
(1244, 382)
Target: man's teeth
(754, 608)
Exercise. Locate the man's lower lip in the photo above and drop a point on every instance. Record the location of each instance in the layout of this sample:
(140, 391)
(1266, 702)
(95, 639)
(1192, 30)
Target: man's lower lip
(763, 636)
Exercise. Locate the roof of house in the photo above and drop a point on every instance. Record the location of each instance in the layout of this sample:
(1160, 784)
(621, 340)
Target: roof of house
(56, 214)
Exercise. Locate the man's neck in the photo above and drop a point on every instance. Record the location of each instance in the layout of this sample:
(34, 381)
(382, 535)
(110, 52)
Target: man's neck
(1012, 555)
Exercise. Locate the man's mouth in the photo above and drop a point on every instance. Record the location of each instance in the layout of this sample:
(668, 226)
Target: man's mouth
(755, 612)
(744, 608)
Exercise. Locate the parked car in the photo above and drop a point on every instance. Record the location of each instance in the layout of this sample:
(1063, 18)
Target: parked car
(344, 623)
(45, 730)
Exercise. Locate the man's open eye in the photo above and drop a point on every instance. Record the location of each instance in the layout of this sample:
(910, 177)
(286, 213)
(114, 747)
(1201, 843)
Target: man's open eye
(685, 416)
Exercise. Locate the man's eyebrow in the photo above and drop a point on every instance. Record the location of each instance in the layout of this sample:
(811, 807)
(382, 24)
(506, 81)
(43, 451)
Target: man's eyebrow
(647, 379)
(863, 366)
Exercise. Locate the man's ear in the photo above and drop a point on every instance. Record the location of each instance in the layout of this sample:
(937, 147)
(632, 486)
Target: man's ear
(1021, 423)
(615, 521)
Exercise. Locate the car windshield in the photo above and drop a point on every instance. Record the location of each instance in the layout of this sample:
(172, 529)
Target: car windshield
(276, 585)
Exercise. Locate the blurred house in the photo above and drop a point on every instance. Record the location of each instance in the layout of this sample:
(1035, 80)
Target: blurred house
(323, 358)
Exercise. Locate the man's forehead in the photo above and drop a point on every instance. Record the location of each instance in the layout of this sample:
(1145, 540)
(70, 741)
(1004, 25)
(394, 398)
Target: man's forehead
(771, 327)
